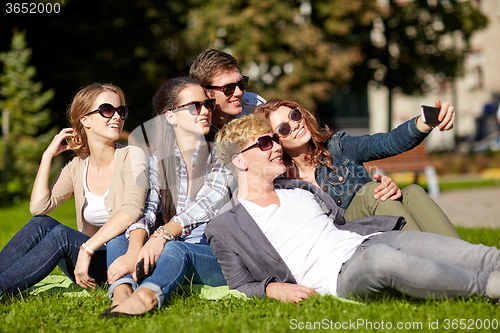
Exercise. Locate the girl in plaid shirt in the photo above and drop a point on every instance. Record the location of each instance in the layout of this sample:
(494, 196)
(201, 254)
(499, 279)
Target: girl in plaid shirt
(188, 186)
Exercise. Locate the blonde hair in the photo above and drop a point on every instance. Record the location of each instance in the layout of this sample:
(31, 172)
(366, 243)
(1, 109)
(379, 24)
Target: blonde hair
(237, 133)
(80, 106)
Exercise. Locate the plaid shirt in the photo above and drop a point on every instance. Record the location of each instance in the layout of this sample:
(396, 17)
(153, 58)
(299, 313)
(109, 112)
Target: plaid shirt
(212, 195)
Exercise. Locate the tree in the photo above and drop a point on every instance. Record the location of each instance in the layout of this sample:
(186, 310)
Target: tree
(298, 49)
(23, 104)
(306, 49)
(275, 42)
(416, 45)
(136, 45)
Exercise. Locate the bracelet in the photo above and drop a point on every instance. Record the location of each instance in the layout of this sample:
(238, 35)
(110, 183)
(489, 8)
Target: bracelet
(163, 233)
(86, 249)
(169, 232)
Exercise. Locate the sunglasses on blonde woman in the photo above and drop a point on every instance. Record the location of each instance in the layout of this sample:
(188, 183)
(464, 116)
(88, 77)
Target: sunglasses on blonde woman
(265, 142)
(194, 108)
(284, 128)
(108, 111)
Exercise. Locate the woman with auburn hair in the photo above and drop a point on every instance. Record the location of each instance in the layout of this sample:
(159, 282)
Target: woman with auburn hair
(105, 179)
(334, 162)
(188, 186)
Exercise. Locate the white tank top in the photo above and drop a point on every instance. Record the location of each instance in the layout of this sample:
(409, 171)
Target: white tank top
(94, 210)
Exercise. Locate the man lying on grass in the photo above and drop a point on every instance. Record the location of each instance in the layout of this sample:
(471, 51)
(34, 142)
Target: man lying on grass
(287, 240)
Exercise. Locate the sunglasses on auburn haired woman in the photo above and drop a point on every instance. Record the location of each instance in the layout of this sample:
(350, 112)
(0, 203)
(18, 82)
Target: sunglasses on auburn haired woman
(284, 128)
(265, 142)
(194, 108)
(229, 88)
(108, 111)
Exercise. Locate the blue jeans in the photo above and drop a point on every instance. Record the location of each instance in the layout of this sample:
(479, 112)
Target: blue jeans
(178, 263)
(115, 248)
(418, 264)
(40, 246)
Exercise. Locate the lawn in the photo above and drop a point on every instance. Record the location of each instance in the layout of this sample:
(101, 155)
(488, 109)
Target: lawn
(191, 313)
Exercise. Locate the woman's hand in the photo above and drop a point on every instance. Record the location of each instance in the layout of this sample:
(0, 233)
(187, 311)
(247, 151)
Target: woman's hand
(56, 147)
(124, 264)
(41, 186)
(446, 118)
(82, 276)
(150, 252)
(289, 292)
(127, 263)
(388, 189)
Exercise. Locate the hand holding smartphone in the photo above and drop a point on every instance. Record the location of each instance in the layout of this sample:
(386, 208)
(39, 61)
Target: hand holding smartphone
(430, 115)
(139, 271)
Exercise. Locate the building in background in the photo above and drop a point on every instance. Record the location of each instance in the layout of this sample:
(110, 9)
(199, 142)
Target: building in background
(476, 95)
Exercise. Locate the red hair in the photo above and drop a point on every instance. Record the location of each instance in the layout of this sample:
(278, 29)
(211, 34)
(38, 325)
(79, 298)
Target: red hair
(319, 136)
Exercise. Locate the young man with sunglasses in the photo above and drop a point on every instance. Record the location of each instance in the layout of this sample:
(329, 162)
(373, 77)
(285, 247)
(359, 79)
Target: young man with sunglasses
(218, 72)
(287, 239)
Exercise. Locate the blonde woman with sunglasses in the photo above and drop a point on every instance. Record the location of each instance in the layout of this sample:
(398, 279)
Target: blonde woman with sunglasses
(109, 185)
(188, 186)
(334, 163)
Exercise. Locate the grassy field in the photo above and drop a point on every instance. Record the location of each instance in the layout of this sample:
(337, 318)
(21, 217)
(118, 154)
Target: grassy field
(191, 313)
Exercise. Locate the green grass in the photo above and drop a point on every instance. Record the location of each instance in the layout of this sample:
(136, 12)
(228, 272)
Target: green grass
(14, 216)
(458, 184)
(190, 313)
(447, 185)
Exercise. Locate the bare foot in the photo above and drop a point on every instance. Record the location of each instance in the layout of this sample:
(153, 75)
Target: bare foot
(141, 301)
(121, 293)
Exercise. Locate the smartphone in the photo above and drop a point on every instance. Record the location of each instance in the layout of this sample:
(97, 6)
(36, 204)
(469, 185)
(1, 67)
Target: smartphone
(430, 115)
(139, 271)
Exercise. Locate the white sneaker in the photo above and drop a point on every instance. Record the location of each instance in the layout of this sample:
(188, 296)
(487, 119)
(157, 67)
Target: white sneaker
(493, 285)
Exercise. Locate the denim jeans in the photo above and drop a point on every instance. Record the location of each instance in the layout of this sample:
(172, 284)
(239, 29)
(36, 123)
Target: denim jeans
(115, 248)
(415, 205)
(418, 264)
(40, 246)
(179, 263)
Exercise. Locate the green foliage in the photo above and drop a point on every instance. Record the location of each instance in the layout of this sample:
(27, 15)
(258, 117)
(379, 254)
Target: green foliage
(305, 50)
(417, 45)
(277, 44)
(25, 102)
(302, 50)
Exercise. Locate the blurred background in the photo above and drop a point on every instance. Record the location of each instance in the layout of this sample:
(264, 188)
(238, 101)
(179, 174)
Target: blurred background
(362, 66)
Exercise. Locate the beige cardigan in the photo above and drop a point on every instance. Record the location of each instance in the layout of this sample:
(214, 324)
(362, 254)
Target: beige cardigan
(127, 191)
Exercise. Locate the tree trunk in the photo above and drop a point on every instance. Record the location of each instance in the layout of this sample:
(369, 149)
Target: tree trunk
(5, 131)
(389, 109)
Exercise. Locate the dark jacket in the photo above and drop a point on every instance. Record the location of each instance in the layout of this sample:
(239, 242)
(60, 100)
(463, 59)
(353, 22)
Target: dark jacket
(347, 174)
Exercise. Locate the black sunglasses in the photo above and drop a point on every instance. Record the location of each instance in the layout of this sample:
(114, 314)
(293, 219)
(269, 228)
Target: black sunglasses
(229, 88)
(284, 128)
(108, 111)
(209, 104)
(265, 142)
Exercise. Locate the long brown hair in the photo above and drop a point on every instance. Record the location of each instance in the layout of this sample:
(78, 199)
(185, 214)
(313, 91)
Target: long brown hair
(80, 106)
(319, 136)
(166, 98)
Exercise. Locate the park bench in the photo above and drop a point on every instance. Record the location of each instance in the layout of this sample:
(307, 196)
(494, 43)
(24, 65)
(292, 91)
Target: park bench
(416, 160)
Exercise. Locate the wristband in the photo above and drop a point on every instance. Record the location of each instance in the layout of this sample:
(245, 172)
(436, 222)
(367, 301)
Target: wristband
(86, 249)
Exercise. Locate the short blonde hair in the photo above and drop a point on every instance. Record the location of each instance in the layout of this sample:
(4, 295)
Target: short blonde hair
(237, 133)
